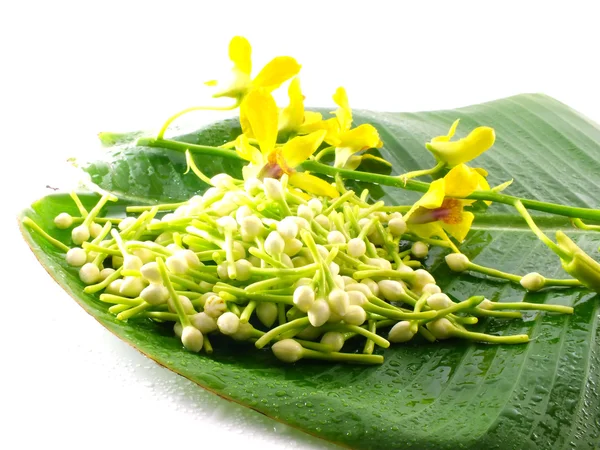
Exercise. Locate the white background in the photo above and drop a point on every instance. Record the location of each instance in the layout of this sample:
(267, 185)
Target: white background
(69, 70)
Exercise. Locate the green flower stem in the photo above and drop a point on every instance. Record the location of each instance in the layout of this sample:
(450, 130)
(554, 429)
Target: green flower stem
(274, 332)
(500, 314)
(191, 164)
(399, 314)
(355, 358)
(378, 340)
(233, 308)
(426, 334)
(297, 272)
(183, 318)
(96, 209)
(104, 283)
(482, 337)
(322, 266)
(152, 246)
(324, 152)
(103, 233)
(281, 319)
(465, 304)
(119, 300)
(370, 344)
(532, 307)
(387, 273)
(79, 205)
(161, 207)
(269, 283)
(390, 246)
(174, 117)
(419, 173)
(393, 209)
(117, 309)
(337, 202)
(133, 311)
(430, 241)
(493, 272)
(31, 224)
(278, 265)
(584, 226)
(248, 310)
(164, 316)
(206, 345)
(231, 270)
(314, 345)
(191, 295)
(263, 296)
(207, 255)
(99, 249)
(419, 305)
(464, 320)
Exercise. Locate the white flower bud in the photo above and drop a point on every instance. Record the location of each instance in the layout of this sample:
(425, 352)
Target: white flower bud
(292, 247)
(355, 314)
(105, 273)
(316, 205)
(338, 301)
(131, 262)
(182, 211)
(76, 257)
(167, 217)
(186, 303)
(115, 287)
(91, 256)
(144, 254)
(431, 288)
(441, 328)
(336, 237)
(360, 288)
(304, 297)
(274, 244)
(273, 189)
(348, 280)
(89, 273)
(228, 323)
(253, 186)
(357, 298)
(306, 212)
(151, 273)
(95, 229)
(457, 262)
(228, 223)
(214, 306)
(126, 223)
(397, 226)
(420, 278)
(334, 339)
(439, 301)
(174, 248)
(80, 234)
(222, 271)
(319, 312)
(533, 281)
(63, 221)
(379, 262)
(323, 221)
(372, 285)
(401, 332)
(205, 323)
(419, 250)
(287, 228)
(288, 350)
(178, 329)
(254, 261)
(241, 213)
(116, 261)
(163, 237)
(155, 294)
(356, 247)
(287, 261)
(310, 333)
(486, 304)
(300, 261)
(192, 338)
(244, 332)
(132, 287)
(239, 252)
(190, 257)
(223, 207)
(301, 222)
(266, 313)
(251, 227)
(177, 264)
(391, 290)
(302, 282)
(363, 223)
(339, 281)
(242, 268)
(322, 251)
(334, 268)
(222, 181)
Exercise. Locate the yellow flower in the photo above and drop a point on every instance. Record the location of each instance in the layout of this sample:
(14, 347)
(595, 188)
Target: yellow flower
(259, 118)
(464, 150)
(294, 118)
(578, 263)
(438, 212)
(273, 75)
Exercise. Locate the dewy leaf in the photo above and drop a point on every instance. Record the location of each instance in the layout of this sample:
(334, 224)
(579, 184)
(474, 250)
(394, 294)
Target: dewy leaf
(445, 395)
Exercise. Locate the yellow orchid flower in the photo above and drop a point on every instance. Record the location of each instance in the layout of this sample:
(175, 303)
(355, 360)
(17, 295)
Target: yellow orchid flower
(273, 75)
(438, 212)
(294, 118)
(464, 150)
(259, 117)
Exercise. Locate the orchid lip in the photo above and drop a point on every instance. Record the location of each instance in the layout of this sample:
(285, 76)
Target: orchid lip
(271, 170)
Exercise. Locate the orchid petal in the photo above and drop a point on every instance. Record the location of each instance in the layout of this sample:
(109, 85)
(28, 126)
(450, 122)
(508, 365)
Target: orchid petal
(312, 184)
(300, 148)
(276, 72)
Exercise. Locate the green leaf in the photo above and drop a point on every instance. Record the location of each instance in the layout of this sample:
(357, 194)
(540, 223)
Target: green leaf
(543, 395)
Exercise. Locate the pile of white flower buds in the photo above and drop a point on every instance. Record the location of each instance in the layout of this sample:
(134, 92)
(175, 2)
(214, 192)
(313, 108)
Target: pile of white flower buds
(263, 262)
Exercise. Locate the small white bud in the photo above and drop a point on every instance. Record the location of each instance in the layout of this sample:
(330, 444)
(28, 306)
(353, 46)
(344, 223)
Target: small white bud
(182, 211)
(163, 237)
(228, 223)
(288, 350)
(405, 269)
(266, 313)
(174, 248)
(357, 298)
(336, 237)
(155, 294)
(89, 273)
(131, 262)
(241, 213)
(273, 189)
(533, 281)
(80, 234)
(287, 228)
(419, 250)
(310, 333)
(105, 273)
(223, 207)
(254, 261)
(167, 217)
(186, 303)
(356, 247)
(431, 288)
(253, 186)
(441, 328)
(292, 247)
(401, 332)
(348, 280)
(334, 268)
(274, 244)
(302, 282)
(177, 264)
(304, 297)
(126, 223)
(322, 251)
(373, 286)
(95, 229)
(76, 257)
(244, 332)
(251, 227)
(214, 306)
(486, 304)
(397, 226)
(63, 221)
(204, 322)
(228, 323)
(360, 288)
(391, 290)
(323, 221)
(439, 301)
(287, 261)
(420, 278)
(91, 256)
(363, 223)
(457, 262)
(239, 252)
(306, 212)
(242, 268)
(338, 301)
(334, 339)
(115, 287)
(319, 312)
(222, 181)
(379, 262)
(355, 315)
(339, 281)
(178, 329)
(316, 205)
(190, 257)
(301, 222)
(151, 273)
(131, 287)
(144, 254)
(192, 338)
(222, 271)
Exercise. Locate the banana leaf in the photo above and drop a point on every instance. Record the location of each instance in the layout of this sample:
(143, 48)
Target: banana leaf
(446, 395)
